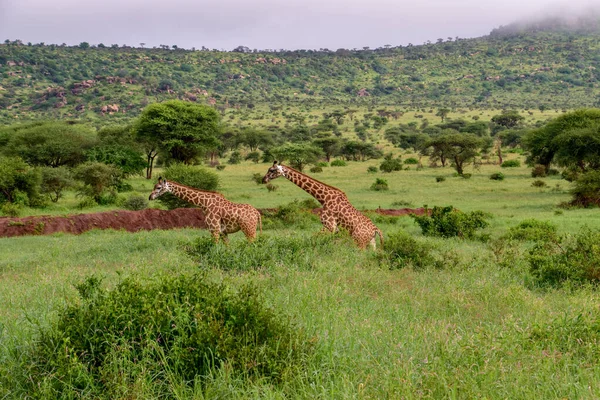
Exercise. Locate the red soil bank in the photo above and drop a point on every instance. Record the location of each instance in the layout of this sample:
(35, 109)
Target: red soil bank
(131, 221)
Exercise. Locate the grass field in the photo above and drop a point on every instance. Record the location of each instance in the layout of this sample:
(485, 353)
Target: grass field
(467, 328)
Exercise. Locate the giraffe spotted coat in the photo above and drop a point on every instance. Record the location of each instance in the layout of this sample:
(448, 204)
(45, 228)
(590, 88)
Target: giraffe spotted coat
(337, 209)
(221, 215)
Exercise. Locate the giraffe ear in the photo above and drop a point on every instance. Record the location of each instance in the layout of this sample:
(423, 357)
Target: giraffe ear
(274, 162)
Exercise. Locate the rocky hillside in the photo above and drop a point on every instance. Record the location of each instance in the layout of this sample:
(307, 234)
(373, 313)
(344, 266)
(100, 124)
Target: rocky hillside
(510, 68)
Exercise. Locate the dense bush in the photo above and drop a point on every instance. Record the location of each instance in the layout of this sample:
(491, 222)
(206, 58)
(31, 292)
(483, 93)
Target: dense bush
(372, 170)
(19, 183)
(102, 345)
(379, 185)
(511, 164)
(316, 169)
(257, 178)
(533, 229)
(99, 180)
(440, 178)
(391, 164)
(574, 259)
(135, 203)
(338, 163)
(586, 192)
(193, 176)
(497, 176)
(449, 222)
(411, 161)
(235, 158)
(253, 156)
(125, 158)
(401, 249)
(538, 183)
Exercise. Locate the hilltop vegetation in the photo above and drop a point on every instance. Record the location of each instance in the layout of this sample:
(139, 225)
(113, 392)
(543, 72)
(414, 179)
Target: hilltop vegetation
(540, 69)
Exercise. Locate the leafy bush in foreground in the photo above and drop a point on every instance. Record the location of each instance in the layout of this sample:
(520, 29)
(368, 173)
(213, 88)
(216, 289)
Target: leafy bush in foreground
(172, 328)
(401, 249)
(586, 192)
(532, 229)
(575, 259)
(449, 222)
(297, 213)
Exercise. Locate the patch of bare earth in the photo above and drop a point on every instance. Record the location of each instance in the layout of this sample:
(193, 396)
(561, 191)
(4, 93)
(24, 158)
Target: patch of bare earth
(131, 221)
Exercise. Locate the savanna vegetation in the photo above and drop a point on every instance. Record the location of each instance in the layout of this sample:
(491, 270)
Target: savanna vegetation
(494, 294)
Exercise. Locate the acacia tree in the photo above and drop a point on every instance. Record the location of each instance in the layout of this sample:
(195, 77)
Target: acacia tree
(298, 154)
(179, 130)
(329, 144)
(544, 143)
(460, 148)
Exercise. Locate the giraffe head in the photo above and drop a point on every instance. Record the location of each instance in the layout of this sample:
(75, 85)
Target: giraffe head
(275, 171)
(160, 188)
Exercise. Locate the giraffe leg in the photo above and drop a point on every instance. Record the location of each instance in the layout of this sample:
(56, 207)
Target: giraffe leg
(225, 238)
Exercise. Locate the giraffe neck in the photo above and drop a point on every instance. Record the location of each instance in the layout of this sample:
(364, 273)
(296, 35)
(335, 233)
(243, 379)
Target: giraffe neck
(320, 191)
(196, 197)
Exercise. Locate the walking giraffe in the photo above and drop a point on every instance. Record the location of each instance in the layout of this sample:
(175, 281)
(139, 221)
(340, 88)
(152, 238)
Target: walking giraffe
(221, 215)
(337, 210)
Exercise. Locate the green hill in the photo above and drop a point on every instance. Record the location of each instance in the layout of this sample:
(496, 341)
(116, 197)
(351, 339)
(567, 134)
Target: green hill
(510, 68)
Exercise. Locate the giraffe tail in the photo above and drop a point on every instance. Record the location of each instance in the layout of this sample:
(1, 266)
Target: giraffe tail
(378, 232)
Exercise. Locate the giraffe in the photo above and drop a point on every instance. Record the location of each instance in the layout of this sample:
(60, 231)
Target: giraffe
(337, 210)
(221, 215)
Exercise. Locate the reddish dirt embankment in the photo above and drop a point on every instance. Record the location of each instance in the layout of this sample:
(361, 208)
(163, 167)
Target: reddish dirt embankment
(131, 221)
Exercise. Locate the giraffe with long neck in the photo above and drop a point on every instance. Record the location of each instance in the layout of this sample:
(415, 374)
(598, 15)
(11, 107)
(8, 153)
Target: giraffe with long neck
(221, 215)
(337, 210)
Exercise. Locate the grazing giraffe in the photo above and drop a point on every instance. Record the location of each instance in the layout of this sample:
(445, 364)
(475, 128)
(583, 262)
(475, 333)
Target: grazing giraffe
(221, 215)
(337, 210)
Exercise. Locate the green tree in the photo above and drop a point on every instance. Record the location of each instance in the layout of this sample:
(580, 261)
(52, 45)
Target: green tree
(98, 180)
(189, 175)
(541, 142)
(55, 181)
(460, 148)
(181, 131)
(297, 154)
(442, 113)
(579, 147)
(508, 119)
(255, 138)
(50, 144)
(19, 183)
(329, 144)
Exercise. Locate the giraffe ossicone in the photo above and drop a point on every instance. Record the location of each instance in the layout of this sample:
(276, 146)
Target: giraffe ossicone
(221, 215)
(337, 209)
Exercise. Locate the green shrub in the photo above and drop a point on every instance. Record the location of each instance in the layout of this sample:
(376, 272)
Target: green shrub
(193, 176)
(316, 169)
(511, 164)
(257, 178)
(372, 170)
(220, 167)
(19, 183)
(235, 158)
(253, 156)
(379, 185)
(411, 161)
(570, 174)
(497, 176)
(271, 187)
(574, 259)
(538, 171)
(10, 210)
(401, 249)
(322, 164)
(391, 164)
(99, 181)
(440, 178)
(586, 192)
(136, 203)
(538, 183)
(338, 163)
(535, 230)
(86, 202)
(182, 324)
(466, 176)
(449, 222)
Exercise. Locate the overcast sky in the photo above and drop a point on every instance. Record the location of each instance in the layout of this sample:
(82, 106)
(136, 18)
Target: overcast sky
(263, 24)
